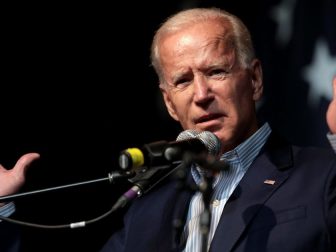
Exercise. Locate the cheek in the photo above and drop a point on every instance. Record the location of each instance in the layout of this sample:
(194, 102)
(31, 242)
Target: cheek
(242, 109)
(182, 108)
(237, 103)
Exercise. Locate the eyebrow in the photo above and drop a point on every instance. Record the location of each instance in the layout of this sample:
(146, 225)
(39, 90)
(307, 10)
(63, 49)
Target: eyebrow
(221, 63)
(179, 75)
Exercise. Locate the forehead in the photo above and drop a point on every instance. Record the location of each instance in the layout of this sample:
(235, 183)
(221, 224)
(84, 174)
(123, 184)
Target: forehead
(196, 34)
(202, 38)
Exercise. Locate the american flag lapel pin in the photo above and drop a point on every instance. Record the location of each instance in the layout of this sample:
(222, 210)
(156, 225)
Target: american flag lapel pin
(269, 182)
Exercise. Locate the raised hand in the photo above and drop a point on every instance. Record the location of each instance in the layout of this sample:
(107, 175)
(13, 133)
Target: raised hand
(11, 180)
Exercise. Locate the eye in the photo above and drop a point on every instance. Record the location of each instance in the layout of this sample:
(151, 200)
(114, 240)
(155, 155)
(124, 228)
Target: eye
(182, 81)
(218, 72)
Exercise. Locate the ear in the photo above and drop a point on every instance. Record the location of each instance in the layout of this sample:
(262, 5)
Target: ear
(257, 79)
(169, 104)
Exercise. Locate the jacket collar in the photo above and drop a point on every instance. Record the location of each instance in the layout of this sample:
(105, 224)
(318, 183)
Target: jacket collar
(266, 174)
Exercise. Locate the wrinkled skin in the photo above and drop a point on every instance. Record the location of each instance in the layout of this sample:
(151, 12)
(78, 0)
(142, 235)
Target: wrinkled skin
(206, 88)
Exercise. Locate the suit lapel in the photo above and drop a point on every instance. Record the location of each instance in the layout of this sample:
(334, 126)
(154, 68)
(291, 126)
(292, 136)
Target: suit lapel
(262, 179)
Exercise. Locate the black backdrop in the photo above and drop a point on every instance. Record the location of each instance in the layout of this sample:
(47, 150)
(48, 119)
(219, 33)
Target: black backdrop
(77, 87)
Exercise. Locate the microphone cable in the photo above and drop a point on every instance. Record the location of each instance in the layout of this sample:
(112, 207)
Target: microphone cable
(79, 224)
(121, 202)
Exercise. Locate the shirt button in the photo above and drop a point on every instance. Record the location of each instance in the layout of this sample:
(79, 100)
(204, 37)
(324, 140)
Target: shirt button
(215, 203)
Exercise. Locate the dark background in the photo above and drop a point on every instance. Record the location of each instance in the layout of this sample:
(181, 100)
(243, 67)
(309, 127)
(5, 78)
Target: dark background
(77, 87)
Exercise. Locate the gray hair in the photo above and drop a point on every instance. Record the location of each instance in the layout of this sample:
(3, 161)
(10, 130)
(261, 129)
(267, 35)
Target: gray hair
(241, 36)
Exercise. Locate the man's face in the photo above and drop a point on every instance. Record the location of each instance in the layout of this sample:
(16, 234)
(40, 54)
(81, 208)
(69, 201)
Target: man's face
(206, 89)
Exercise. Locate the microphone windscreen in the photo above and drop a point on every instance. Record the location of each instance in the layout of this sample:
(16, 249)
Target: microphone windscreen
(187, 134)
(209, 139)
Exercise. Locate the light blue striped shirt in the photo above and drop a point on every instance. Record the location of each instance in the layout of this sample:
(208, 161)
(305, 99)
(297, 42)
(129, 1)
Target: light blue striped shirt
(332, 140)
(7, 209)
(224, 184)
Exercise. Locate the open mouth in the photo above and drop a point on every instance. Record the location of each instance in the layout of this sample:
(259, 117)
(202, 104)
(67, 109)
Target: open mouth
(207, 118)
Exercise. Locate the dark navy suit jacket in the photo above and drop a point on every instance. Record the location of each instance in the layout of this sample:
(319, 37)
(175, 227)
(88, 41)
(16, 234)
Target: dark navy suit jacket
(10, 237)
(296, 213)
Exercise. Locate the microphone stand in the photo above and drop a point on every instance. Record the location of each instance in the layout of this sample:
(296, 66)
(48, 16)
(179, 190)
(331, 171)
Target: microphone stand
(210, 165)
(205, 219)
(112, 178)
(182, 186)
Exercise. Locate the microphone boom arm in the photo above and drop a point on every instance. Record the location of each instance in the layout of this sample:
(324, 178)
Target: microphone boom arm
(112, 178)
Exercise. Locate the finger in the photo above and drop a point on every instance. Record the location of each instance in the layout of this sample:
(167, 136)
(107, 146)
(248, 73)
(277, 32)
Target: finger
(24, 162)
(2, 169)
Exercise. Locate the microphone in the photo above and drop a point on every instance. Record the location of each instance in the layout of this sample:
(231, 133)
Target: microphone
(190, 146)
(163, 153)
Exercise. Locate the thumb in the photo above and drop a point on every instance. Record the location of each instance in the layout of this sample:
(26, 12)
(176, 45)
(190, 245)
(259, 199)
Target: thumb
(23, 163)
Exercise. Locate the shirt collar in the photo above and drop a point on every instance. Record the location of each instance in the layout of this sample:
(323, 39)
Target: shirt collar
(244, 153)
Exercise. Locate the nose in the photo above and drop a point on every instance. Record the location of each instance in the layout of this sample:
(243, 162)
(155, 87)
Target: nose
(202, 91)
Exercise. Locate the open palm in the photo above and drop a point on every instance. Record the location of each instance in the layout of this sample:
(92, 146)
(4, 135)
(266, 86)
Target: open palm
(11, 180)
